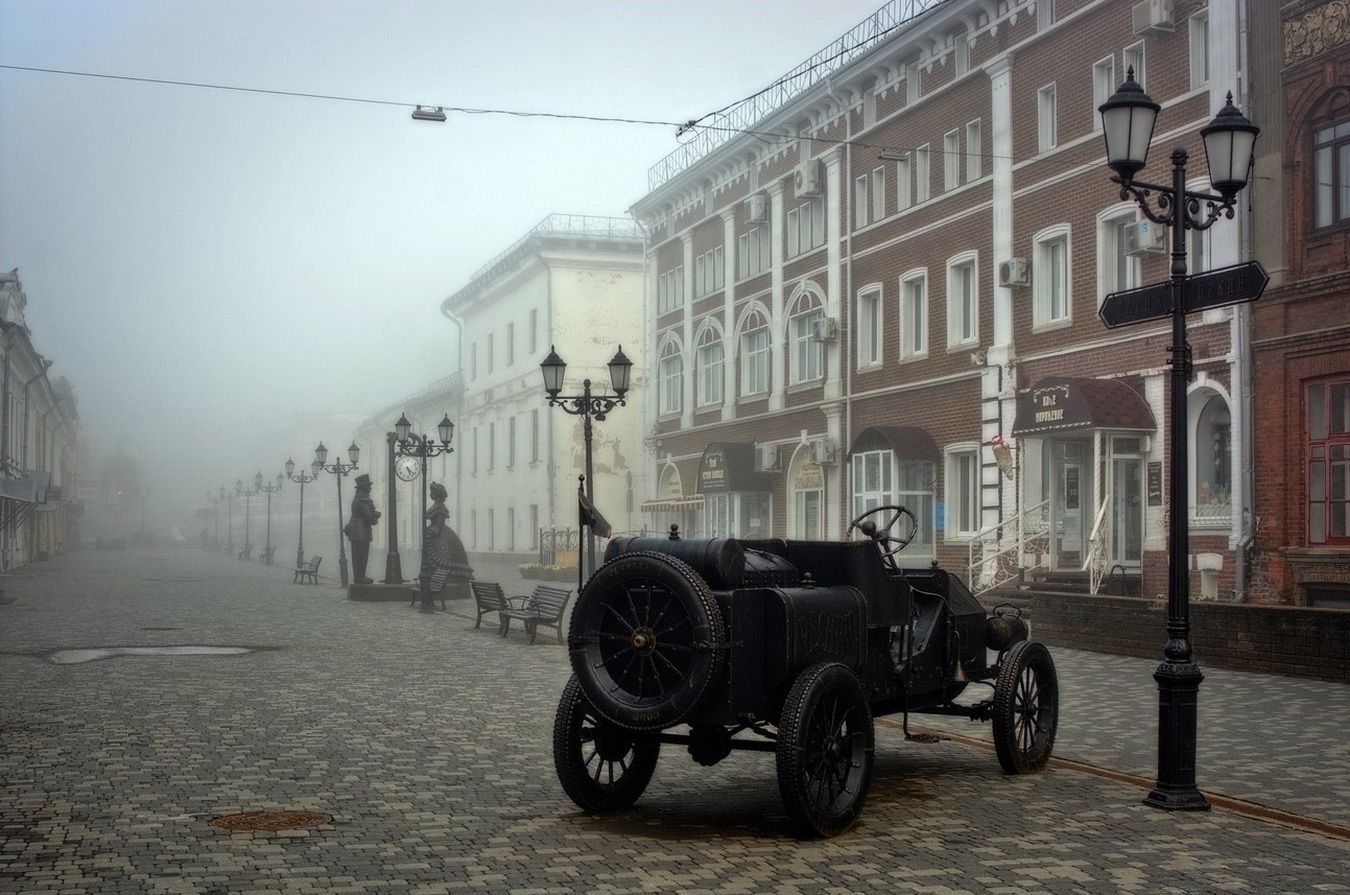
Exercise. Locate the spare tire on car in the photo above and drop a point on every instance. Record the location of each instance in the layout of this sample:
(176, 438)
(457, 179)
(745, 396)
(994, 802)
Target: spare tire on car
(647, 640)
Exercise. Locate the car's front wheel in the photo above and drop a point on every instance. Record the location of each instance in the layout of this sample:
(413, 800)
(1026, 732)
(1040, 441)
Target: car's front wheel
(1026, 708)
(601, 766)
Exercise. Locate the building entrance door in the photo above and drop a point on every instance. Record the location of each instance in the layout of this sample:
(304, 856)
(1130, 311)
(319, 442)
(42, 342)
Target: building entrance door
(1127, 499)
(1070, 477)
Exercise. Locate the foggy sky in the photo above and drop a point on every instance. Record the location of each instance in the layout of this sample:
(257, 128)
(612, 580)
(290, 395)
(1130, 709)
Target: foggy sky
(204, 265)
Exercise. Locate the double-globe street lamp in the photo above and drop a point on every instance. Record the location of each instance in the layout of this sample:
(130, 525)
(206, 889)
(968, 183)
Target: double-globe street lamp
(423, 447)
(587, 406)
(215, 516)
(339, 469)
(240, 490)
(1127, 125)
(303, 479)
(229, 519)
(268, 489)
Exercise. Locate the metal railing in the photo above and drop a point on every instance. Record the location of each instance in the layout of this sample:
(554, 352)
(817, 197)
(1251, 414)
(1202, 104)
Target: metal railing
(859, 40)
(1003, 552)
(1095, 563)
(587, 226)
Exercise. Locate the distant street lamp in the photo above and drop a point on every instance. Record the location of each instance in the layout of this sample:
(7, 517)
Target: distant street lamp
(303, 479)
(409, 444)
(239, 489)
(215, 516)
(339, 469)
(1127, 125)
(587, 405)
(269, 490)
(229, 526)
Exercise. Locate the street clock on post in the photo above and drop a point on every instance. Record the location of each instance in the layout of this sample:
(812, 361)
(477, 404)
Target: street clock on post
(408, 468)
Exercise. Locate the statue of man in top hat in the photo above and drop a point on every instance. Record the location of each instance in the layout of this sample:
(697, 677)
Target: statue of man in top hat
(363, 516)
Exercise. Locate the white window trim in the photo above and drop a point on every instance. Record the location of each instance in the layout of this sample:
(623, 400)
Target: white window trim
(949, 536)
(951, 160)
(1141, 70)
(923, 174)
(1197, 396)
(742, 356)
(1111, 84)
(699, 346)
(954, 343)
(878, 197)
(861, 207)
(1047, 127)
(904, 183)
(974, 150)
(1107, 218)
(1038, 280)
(1195, 58)
(662, 409)
(864, 364)
(791, 335)
(908, 277)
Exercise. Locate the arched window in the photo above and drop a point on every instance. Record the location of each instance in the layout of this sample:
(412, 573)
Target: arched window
(708, 362)
(755, 364)
(670, 372)
(806, 493)
(808, 355)
(1213, 453)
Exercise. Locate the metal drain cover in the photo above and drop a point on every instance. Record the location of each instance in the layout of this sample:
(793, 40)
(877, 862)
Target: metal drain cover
(255, 821)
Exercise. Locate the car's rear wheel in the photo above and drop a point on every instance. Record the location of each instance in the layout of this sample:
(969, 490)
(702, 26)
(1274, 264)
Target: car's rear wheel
(647, 640)
(825, 746)
(1026, 708)
(601, 767)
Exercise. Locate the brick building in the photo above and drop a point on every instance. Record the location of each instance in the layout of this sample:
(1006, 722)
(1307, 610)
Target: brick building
(894, 271)
(1301, 328)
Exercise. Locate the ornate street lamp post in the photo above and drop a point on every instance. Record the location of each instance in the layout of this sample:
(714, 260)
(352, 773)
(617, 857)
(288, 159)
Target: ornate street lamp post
(303, 479)
(269, 490)
(587, 405)
(229, 519)
(239, 489)
(339, 469)
(1127, 125)
(215, 516)
(409, 444)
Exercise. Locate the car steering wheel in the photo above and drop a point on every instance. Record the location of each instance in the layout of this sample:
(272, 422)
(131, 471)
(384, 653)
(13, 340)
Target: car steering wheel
(889, 544)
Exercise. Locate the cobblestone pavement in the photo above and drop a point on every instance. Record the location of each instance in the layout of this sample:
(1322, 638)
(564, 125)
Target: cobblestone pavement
(428, 742)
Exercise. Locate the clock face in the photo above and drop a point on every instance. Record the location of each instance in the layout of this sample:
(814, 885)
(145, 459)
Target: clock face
(408, 468)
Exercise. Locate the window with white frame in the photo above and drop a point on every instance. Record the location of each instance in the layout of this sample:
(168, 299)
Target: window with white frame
(904, 180)
(915, 489)
(1045, 14)
(806, 490)
(1117, 268)
(951, 160)
(753, 252)
(511, 442)
(962, 47)
(473, 529)
(534, 435)
(491, 529)
(473, 361)
(922, 171)
(1133, 57)
(708, 358)
(963, 491)
(1103, 85)
(670, 371)
(878, 193)
(974, 151)
(534, 331)
(754, 355)
(490, 352)
(808, 353)
(860, 202)
(805, 227)
(492, 446)
(963, 310)
(670, 290)
(511, 528)
(475, 450)
(510, 343)
(869, 327)
(1199, 35)
(869, 108)
(1212, 450)
(914, 315)
(1050, 273)
(710, 271)
(534, 526)
(1047, 133)
(911, 85)
(873, 480)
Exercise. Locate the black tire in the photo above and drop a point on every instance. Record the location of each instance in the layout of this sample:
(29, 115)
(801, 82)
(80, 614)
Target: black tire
(825, 744)
(646, 641)
(1026, 708)
(601, 766)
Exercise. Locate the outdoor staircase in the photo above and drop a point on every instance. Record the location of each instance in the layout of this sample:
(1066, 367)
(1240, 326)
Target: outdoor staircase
(1080, 583)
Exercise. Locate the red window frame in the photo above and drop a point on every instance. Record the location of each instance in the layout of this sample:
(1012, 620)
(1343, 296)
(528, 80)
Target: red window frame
(1318, 452)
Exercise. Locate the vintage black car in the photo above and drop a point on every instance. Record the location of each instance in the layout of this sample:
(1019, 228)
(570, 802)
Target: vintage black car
(789, 647)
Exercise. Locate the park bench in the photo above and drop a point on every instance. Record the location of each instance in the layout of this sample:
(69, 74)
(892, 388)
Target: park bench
(265, 556)
(308, 570)
(438, 579)
(544, 607)
(488, 597)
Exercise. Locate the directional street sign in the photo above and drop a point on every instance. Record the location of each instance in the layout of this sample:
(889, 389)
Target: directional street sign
(1214, 289)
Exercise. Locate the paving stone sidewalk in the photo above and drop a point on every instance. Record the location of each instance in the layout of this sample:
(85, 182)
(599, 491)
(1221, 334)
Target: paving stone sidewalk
(429, 743)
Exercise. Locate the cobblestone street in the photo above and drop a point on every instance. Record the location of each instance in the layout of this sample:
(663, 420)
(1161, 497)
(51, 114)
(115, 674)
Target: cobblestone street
(429, 744)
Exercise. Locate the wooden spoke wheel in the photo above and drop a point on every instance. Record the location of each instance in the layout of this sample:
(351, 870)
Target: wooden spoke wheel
(601, 766)
(825, 745)
(646, 641)
(1026, 708)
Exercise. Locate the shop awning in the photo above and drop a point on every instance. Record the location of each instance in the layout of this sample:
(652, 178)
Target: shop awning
(30, 488)
(1060, 404)
(908, 442)
(729, 466)
(673, 504)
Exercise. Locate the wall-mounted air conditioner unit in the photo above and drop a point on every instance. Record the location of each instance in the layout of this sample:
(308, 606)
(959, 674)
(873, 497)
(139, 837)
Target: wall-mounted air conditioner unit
(823, 450)
(1153, 17)
(758, 207)
(1014, 272)
(806, 182)
(767, 458)
(826, 329)
(1146, 237)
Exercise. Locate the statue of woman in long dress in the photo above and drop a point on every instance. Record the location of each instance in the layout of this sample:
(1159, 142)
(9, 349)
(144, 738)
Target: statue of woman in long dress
(443, 550)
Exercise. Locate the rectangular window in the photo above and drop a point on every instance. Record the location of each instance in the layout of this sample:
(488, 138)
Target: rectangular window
(1199, 33)
(1119, 269)
(511, 528)
(962, 55)
(869, 108)
(473, 529)
(710, 271)
(1328, 458)
(951, 160)
(963, 317)
(510, 344)
(511, 442)
(974, 152)
(963, 493)
(491, 529)
(534, 526)
(475, 450)
(755, 375)
(534, 331)
(492, 445)
(670, 290)
(911, 85)
(873, 480)
(805, 227)
(914, 316)
(1046, 131)
(489, 352)
(1050, 271)
(1331, 174)
(669, 370)
(807, 352)
(473, 361)
(710, 370)
(922, 183)
(794, 239)
(869, 328)
(860, 202)
(1103, 85)
(903, 183)
(878, 193)
(534, 436)
(1133, 57)
(1045, 14)
(753, 252)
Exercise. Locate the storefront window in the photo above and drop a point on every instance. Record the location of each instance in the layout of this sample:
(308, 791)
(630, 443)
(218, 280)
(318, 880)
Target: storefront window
(738, 514)
(807, 489)
(1328, 434)
(872, 480)
(1213, 462)
(916, 480)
